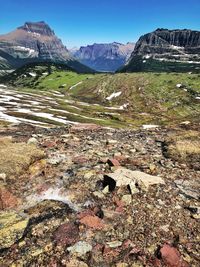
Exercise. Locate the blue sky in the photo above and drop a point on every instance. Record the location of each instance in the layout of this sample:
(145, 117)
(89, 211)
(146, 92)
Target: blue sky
(82, 22)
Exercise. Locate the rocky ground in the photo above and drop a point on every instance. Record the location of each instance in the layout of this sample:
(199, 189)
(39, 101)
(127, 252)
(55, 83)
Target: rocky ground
(91, 196)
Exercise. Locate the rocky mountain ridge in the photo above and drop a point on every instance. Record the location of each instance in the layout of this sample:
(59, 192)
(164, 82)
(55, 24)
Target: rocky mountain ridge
(104, 57)
(174, 49)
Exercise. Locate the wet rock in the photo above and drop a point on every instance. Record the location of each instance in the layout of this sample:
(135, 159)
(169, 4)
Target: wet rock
(7, 199)
(125, 177)
(190, 188)
(12, 227)
(67, 234)
(171, 257)
(80, 249)
(92, 222)
(47, 209)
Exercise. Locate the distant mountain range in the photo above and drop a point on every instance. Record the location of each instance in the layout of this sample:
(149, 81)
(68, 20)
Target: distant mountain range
(104, 57)
(166, 50)
(161, 51)
(35, 42)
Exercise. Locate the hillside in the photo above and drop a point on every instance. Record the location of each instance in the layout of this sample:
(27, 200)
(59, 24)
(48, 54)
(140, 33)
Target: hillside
(119, 100)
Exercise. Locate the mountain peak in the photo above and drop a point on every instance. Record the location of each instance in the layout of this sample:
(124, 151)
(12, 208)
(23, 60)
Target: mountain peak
(39, 27)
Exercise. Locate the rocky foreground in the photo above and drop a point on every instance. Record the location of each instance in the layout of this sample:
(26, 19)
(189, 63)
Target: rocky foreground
(90, 196)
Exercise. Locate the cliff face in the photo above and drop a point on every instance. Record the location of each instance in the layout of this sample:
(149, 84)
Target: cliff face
(34, 42)
(167, 47)
(104, 57)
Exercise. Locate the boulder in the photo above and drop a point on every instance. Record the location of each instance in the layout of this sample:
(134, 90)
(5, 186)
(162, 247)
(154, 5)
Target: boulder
(133, 179)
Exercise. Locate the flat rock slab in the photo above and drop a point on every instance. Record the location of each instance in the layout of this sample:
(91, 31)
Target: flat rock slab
(12, 227)
(190, 189)
(125, 177)
(17, 157)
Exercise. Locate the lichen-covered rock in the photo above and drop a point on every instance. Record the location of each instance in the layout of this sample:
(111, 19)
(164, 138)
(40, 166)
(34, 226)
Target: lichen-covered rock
(12, 227)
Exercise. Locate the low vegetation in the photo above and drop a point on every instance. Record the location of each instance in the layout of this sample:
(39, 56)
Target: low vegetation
(145, 98)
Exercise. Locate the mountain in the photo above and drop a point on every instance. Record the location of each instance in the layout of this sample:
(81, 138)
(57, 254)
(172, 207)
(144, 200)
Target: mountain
(104, 57)
(166, 50)
(35, 42)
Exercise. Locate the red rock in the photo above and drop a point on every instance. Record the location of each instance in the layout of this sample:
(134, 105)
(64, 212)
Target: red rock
(67, 234)
(92, 222)
(85, 127)
(113, 162)
(172, 257)
(7, 199)
(121, 159)
(49, 144)
(85, 213)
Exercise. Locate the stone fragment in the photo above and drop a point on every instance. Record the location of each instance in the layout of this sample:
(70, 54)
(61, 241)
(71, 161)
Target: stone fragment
(80, 249)
(32, 141)
(67, 234)
(12, 227)
(114, 244)
(113, 162)
(56, 159)
(111, 142)
(7, 199)
(3, 177)
(127, 199)
(189, 188)
(92, 222)
(171, 257)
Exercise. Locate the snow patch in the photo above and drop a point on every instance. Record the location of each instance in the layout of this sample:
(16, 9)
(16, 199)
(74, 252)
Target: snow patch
(32, 74)
(3, 86)
(179, 85)
(113, 95)
(72, 87)
(149, 126)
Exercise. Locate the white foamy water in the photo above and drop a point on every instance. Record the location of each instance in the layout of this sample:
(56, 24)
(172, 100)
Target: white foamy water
(51, 194)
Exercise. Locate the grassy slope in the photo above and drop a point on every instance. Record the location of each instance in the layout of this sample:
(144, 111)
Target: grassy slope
(139, 64)
(152, 97)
